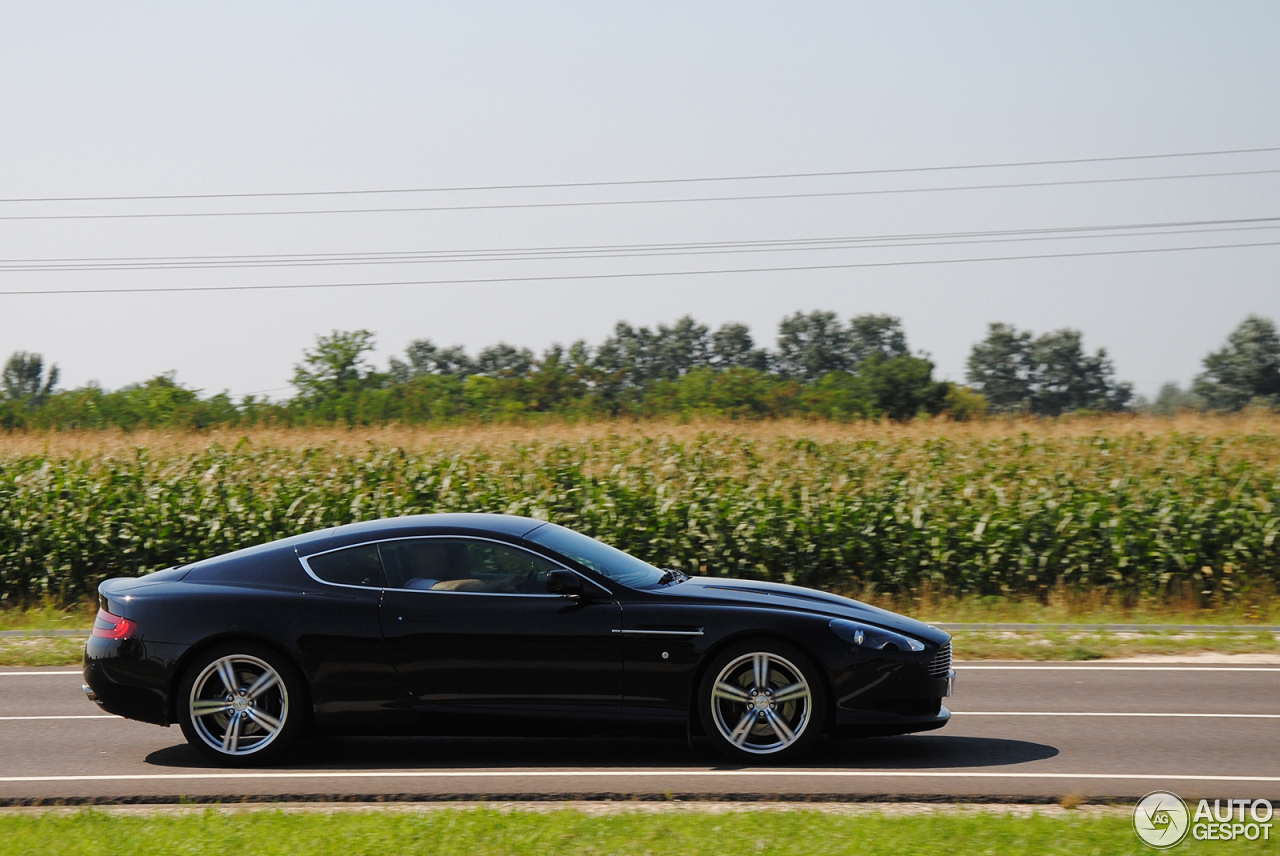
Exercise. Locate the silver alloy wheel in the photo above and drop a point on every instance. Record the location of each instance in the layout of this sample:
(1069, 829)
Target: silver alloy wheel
(239, 704)
(761, 703)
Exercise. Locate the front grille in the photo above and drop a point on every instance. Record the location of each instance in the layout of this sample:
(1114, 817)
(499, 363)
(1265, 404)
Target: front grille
(940, 665)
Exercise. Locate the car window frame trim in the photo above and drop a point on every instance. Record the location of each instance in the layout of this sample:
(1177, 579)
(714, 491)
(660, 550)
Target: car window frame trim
(303, 560)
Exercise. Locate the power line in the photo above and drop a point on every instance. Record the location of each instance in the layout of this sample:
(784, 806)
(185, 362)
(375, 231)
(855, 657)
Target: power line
(648, 181)
(614, 202)
(628, 251)
(632, 275)
(575, 248)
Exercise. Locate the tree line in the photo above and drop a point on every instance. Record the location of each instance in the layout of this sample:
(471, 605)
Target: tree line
(820, 367)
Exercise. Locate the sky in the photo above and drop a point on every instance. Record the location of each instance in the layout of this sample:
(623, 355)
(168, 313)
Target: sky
(142, 99)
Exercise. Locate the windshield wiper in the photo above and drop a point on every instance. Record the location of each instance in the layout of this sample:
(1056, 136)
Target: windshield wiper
(671, 575)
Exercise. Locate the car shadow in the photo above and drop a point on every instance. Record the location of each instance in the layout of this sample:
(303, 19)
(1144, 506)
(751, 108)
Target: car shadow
(480, 753)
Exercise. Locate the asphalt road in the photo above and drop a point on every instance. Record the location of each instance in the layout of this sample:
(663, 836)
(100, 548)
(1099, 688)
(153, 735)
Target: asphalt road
(1020, 732)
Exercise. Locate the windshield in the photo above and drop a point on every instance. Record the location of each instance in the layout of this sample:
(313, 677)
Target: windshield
(601, 558)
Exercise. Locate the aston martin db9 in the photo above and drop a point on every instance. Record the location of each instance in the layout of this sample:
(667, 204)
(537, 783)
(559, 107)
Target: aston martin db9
(451, 624)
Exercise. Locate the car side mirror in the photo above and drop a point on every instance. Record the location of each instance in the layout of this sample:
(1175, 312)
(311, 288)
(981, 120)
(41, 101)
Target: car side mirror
(568, 583)
(564, 582)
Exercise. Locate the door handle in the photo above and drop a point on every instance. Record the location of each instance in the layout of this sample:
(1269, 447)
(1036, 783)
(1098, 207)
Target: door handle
(418, 619)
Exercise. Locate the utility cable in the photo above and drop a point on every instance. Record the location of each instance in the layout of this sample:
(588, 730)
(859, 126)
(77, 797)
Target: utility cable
(629, 275)
(648, 181)
(638, 247)
(616, 202)
(232, 263)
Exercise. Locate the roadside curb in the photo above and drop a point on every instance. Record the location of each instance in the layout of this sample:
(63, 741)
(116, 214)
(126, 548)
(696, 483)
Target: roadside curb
(603, 802)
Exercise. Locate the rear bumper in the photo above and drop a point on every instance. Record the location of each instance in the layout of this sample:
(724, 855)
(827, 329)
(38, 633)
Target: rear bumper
(123, 677)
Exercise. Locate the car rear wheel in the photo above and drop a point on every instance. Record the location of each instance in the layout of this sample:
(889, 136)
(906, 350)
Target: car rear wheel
(240, 704)
(762, 701)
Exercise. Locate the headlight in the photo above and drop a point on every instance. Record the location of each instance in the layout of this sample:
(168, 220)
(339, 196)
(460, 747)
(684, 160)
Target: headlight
(866, 636)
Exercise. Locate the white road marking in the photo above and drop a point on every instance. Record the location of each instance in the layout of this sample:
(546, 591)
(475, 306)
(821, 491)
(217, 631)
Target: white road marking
(77, 716)
(613, 774)
(35, 674)
(1097, 713)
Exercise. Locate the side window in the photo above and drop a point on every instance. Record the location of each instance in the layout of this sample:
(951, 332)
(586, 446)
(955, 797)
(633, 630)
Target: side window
(354, 566)
(463, 564)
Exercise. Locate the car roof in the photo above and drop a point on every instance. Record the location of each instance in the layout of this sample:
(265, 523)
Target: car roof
(415, 524)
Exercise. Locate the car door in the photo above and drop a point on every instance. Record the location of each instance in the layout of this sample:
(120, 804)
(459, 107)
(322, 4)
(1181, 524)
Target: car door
(471, 628)
(340, 640)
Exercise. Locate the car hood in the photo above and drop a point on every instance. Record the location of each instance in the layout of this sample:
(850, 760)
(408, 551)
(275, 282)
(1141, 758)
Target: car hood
(800, 599)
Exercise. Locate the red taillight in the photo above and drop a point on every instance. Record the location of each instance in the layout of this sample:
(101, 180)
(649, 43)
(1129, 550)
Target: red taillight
(108, 626)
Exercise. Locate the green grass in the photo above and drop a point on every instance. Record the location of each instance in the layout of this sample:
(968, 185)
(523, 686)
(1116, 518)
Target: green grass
(1053, 645)
(472, 832)
(969, 645)
(41, 652)
(1257, 606)
(50, 616)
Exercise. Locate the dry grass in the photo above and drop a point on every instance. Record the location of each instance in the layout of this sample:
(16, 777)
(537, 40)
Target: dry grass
(63, 444)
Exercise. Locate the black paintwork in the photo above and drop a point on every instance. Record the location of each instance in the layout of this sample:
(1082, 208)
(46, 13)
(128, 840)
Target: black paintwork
(399, 661)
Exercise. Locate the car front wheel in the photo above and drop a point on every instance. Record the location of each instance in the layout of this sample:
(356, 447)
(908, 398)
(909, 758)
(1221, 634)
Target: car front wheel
(762, 701)
(240, 704)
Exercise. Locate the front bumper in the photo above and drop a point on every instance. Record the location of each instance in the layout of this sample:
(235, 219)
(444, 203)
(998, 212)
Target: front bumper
(858, 724)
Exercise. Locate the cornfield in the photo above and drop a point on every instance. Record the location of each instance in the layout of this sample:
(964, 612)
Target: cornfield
(1007, 513)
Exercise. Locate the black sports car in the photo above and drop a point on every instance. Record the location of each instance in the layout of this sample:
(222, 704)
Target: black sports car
(487, 624)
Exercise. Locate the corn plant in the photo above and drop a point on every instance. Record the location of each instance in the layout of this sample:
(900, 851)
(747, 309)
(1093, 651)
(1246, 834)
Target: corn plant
(1014, 515)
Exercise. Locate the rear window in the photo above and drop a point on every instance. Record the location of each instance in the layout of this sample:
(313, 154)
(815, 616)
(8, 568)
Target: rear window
(354, 566)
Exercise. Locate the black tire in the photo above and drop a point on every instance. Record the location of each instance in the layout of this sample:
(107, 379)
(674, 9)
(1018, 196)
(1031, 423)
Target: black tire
(251, 682)
(751, 724)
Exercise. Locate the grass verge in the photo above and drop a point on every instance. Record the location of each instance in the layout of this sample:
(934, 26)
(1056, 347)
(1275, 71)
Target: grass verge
(484, 831)
(973, 645)
(50, 616)
(59, 651)
(969, 645)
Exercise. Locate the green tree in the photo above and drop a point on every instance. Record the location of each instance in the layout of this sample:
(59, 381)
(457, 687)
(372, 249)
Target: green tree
(503, 360)
(425, 358)
(635, 356)
(337, 364)
(1047, 375)
(811, 346)
(679, 349)
(25, 380)
(1245, 370)
(878, 336)
(624, 360)
(1065, 378)
(733, 348)
(1171, 400)
(1000, 368)
(963, 404)
(902, 387)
